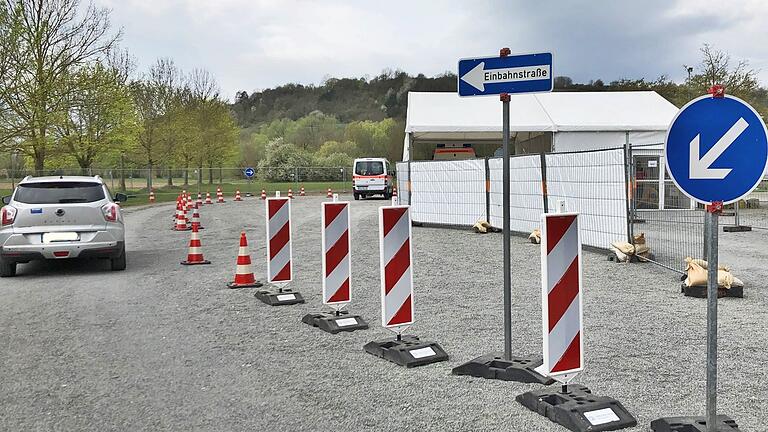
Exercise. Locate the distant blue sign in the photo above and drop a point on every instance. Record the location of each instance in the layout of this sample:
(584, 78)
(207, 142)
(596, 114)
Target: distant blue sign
(249, 172)
(527, 73)
(717, 149)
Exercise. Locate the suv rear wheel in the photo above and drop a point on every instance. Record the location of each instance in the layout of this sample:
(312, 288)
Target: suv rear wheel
(7, 268)
(118, 263)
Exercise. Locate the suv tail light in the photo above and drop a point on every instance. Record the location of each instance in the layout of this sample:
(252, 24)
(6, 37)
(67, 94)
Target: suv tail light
(111, 212)
(8, 215)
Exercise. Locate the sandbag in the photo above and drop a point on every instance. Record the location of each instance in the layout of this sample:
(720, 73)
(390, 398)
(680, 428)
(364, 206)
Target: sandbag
(697, 276)
(535, 236)
(621, 256)
(480, 228)
(704, 264)
(624, 247)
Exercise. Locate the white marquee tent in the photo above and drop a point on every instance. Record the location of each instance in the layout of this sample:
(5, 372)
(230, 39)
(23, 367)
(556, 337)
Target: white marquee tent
(568, 121)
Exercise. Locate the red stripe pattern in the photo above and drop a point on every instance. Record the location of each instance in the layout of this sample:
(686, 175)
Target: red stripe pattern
(562, 309)
(278, 240)
(396, 266)
(336, 261)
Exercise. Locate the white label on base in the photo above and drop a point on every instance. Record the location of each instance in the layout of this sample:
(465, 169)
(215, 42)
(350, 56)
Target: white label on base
(601, 416)
(284, 297)
(422, 352)
(344, 322)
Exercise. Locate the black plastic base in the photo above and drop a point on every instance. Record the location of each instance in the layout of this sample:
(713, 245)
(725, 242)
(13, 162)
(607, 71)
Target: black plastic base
(256, 284)
(408, 352)
(493, 366)
(284, 298)
(737, 228)
(700, 291)
(333, 323)
(578, 409)
(692, 424)
(195, 262)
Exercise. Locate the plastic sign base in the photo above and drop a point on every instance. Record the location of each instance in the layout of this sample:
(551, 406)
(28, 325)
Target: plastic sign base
(187, 263)
(700, 291)
(578, 409)
(494, 366)
(333, 323)
(737, 228)
(692, 424)
(408, 351)
(279, 298)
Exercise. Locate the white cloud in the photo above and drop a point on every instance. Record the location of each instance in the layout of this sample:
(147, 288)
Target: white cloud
(249, 44)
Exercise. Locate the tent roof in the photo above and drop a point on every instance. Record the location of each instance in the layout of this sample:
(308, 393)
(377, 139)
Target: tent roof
(439, 115)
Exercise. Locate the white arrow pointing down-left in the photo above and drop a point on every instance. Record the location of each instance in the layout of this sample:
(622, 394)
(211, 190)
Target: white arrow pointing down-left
(699, 167)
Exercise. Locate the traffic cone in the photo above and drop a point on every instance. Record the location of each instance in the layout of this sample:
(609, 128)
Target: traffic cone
(208, 198)
(394, 191)
(199, 202)
(237, 195)
(243, 273)
(196, 219)
(219, 195)
(263, 194)
(151, 196)
(301, 191)
(195, 254)
(330, 193)
(181, 223)
(290, 193)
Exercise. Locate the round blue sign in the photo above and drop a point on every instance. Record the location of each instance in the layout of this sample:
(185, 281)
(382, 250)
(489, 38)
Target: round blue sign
(249, 172)
(716, 149)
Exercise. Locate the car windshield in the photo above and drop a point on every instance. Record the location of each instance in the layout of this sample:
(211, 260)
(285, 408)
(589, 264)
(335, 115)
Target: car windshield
(369, 168)
(59, 193)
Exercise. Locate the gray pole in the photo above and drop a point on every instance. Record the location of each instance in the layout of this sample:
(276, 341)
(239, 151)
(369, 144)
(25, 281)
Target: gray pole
(505, 228)
(711, 220)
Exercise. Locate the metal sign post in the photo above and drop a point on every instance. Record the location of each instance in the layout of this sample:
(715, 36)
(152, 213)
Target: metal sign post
(529, 73)
(717, 152)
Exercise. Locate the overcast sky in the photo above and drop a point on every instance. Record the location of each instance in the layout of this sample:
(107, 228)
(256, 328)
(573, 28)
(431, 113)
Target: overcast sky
(256, 44)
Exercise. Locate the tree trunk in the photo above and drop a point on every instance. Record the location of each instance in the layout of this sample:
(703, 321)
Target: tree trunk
(210, 174)
(186, 175)
(170, 177)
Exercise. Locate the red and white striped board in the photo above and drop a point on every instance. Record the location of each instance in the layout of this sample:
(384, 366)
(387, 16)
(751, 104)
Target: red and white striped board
(336, 258)
(561, 292)
(396, 262)
(279, 249)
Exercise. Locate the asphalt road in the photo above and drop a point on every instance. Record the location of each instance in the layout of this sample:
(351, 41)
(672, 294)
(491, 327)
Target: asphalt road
(166, 347)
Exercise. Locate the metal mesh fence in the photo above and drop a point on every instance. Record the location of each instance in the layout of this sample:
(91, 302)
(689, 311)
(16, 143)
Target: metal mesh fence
(526, 200)
(448, 192)
(672, 225)
(753, 211)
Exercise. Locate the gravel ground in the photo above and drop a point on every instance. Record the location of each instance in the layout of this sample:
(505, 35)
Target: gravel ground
(166, 347)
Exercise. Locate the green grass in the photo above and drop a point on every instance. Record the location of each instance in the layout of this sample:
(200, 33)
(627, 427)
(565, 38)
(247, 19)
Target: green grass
(164, 193)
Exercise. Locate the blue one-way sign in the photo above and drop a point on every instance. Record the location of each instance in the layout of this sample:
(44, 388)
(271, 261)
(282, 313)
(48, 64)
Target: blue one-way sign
(717, 149)
(527, 73)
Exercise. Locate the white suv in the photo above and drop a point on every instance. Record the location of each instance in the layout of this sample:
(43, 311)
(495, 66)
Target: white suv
(59, 218)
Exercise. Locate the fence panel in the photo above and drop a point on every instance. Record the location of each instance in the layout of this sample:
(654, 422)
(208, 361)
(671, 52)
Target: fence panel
(402, 183)
(448, 192)
(753, 211)
(592, 184)
(526, 201)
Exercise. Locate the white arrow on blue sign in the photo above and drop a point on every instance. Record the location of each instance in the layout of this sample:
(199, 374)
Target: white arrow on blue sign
(717, 149)
(525, 73)
(249, 172)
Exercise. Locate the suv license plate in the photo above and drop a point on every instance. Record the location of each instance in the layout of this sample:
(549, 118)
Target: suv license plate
(60, 237)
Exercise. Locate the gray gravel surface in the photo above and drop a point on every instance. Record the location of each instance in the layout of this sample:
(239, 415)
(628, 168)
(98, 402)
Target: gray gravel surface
(166, 347)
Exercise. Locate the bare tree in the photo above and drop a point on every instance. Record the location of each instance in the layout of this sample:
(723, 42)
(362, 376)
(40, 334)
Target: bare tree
(50, 39)
(716, 69)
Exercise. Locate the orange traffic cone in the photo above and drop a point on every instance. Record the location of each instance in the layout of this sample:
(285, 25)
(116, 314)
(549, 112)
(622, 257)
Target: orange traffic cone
(196, 219)
(208, 198)
(237, 195)
(301, 191)
(263, 194)
(243, 273)
(290, 193)
(219, 195)
(394, 191)
(151, 196)
(330, 193)
(199, 202)
(195, 254)
(181, 222)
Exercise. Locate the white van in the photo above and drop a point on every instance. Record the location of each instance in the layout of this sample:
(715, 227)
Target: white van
(372, 176)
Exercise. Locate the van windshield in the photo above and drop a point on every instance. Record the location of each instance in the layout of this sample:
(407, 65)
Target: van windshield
(369, 168)
(59, 193)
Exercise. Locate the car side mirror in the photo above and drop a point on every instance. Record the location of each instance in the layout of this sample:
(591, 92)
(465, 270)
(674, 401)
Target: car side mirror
(121, 197)
(7, 199)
